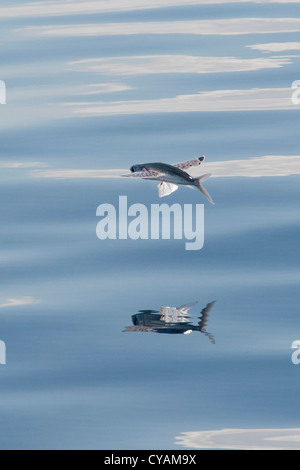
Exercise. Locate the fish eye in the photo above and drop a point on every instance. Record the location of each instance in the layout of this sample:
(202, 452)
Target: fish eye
(132, 169)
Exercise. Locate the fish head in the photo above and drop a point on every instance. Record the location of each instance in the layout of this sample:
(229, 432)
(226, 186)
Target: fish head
(135, 168)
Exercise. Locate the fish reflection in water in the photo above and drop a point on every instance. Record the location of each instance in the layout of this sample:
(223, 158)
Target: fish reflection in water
(171, 320)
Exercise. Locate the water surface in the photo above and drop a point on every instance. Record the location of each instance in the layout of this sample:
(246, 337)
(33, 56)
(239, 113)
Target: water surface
(76, 375)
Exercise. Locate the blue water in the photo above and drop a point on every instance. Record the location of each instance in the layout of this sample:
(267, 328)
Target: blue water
(74, 379)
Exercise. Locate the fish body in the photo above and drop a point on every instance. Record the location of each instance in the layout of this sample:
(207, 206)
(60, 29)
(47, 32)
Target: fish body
(171, 320)
(165, 172)
(170, 176)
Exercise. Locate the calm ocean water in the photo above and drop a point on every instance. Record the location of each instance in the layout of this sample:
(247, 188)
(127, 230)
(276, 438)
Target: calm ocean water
(92, 359)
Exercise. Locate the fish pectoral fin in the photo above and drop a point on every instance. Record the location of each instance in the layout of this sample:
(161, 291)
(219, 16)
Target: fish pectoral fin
(164, 189)
(150, 173)
(187, 164)
(186, 307)
(143, 174)
(150, 170)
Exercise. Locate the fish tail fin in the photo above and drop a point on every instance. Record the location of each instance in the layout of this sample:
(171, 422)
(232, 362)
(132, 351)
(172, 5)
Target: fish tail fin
(201, 188)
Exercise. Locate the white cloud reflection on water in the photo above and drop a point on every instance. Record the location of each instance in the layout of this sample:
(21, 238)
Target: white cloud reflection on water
(276, 46)
(19, 165)
(77, 7)
(174, 63)
(56, 101)
(18, 302)
(242, 439)
(256, 99)
(220, 27)
(270, 165)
